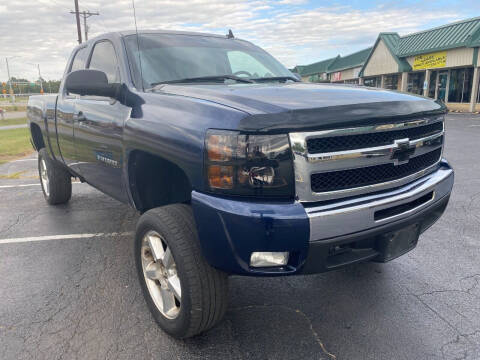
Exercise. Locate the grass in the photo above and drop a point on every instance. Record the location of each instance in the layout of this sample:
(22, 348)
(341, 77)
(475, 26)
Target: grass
(14, 144)
(12, 176)
(17, 99)
(14, 108)
(19, 121)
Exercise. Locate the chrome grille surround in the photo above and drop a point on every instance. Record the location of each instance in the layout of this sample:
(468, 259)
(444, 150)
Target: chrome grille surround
(306, 164)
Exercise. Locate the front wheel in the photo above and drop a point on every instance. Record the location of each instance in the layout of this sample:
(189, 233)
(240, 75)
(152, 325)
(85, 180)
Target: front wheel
(185, 295)
(56, 181)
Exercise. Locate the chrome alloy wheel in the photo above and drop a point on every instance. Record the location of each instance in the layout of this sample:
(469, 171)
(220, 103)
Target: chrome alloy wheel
(160, 272)
(44, 177)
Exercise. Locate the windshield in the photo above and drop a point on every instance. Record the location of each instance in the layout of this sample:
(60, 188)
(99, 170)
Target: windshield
(175, 57)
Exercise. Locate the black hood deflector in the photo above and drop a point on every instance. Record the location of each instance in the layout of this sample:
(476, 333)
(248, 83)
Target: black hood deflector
(302, 106)
(340, 116)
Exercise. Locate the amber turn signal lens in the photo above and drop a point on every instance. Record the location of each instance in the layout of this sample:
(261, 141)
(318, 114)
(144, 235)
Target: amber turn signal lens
(220, 177)
(219, 147)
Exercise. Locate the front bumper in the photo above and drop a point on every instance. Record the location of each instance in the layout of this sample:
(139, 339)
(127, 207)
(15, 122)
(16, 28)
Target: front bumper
(320, 236)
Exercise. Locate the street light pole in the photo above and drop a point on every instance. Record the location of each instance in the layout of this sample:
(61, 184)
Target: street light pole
(39, 76)
(40, 79)
(12, 96)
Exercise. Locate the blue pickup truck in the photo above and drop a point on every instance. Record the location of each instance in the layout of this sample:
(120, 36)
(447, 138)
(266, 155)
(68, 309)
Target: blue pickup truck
(236, 166)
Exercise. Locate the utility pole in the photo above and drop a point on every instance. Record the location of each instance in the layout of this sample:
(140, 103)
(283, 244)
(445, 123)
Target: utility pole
(85, 15)
(77, 15)
(85, 27)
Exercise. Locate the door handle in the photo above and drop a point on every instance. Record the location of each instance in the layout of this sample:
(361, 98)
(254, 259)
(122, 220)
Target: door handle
(80, 117)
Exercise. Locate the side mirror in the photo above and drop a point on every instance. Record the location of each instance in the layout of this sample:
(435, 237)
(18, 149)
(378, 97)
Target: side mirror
(297, 75)
(91, 82)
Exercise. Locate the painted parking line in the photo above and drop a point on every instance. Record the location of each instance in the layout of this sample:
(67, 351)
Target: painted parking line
(20, 160)
(26, 185)
(13, 186)
(61, 237)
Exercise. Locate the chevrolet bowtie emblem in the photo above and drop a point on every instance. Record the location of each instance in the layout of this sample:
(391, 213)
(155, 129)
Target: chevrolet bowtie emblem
(402, 152)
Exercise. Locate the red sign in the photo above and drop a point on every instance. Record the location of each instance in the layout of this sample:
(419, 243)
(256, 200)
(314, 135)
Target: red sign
(337, 76)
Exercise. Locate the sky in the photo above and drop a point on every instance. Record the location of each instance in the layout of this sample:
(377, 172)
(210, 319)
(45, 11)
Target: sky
(294, 31)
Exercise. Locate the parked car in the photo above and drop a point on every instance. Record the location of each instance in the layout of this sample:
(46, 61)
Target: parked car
(236, 166)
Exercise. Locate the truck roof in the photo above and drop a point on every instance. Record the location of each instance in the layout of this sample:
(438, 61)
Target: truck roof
(173, 32)
(120, 34)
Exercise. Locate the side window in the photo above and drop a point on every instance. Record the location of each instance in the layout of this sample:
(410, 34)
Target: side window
(79, 60)
(241, 61)
(105, 59)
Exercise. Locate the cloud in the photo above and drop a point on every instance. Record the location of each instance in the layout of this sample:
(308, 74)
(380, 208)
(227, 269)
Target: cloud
(43, 31)
(293, 2)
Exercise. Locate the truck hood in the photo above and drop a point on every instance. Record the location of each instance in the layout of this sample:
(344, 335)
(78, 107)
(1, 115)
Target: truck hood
(300, 106)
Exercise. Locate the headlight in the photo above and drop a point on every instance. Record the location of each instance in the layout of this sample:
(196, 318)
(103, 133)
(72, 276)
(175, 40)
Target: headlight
(249, 165)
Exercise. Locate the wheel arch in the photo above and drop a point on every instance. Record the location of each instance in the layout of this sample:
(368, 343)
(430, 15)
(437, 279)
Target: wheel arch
(37, 137)
(154, 181)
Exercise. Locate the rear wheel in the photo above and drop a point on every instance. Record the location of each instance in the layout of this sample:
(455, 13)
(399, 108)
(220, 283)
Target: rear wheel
(185, 295)
(56, 181)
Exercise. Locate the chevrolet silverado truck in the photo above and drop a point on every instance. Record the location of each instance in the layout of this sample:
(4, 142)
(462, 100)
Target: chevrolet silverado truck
(236, 166)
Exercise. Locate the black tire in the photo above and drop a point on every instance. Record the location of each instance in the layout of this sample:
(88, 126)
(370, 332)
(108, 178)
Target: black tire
(58, 189)
(204, 290)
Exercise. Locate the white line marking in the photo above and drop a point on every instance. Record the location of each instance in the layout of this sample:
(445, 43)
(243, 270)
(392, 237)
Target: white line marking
(25, 185)
(61, 237)
(35, 159)
(12, 186)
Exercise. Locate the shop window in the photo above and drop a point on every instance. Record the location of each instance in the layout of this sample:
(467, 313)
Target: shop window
(460, 87)
(391, 82)
(415, 82)
(373, 81)
(432, 84)
(442, 85)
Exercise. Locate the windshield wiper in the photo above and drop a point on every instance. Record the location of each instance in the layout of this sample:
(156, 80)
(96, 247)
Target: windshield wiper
(215, 78)
(275, 78)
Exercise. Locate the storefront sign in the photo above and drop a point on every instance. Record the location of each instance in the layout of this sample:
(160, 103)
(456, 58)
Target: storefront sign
(430, 61)
(337, 76)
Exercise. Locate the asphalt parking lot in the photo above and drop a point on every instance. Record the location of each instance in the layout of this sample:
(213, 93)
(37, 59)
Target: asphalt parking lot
(68, 287)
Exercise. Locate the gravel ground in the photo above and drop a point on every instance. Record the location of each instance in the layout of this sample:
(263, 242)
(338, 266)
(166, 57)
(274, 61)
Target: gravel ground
(80, 298)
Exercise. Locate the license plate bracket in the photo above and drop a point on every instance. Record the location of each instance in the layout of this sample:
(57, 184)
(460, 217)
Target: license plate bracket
(394, 244)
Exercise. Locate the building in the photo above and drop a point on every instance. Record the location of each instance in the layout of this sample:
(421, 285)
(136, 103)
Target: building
(316, 72)
(441, 63)
(346, 69)
(340, 69)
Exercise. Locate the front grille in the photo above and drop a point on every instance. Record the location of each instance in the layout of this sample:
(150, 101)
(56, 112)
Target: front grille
(350, 142)
(353, 178)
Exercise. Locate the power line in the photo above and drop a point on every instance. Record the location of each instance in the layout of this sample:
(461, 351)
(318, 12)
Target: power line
(85, 15)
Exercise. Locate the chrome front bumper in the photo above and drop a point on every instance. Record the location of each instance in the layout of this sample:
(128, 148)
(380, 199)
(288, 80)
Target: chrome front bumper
(343, 217)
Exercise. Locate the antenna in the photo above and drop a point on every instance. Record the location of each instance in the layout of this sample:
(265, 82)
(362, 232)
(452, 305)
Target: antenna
(138, 45)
